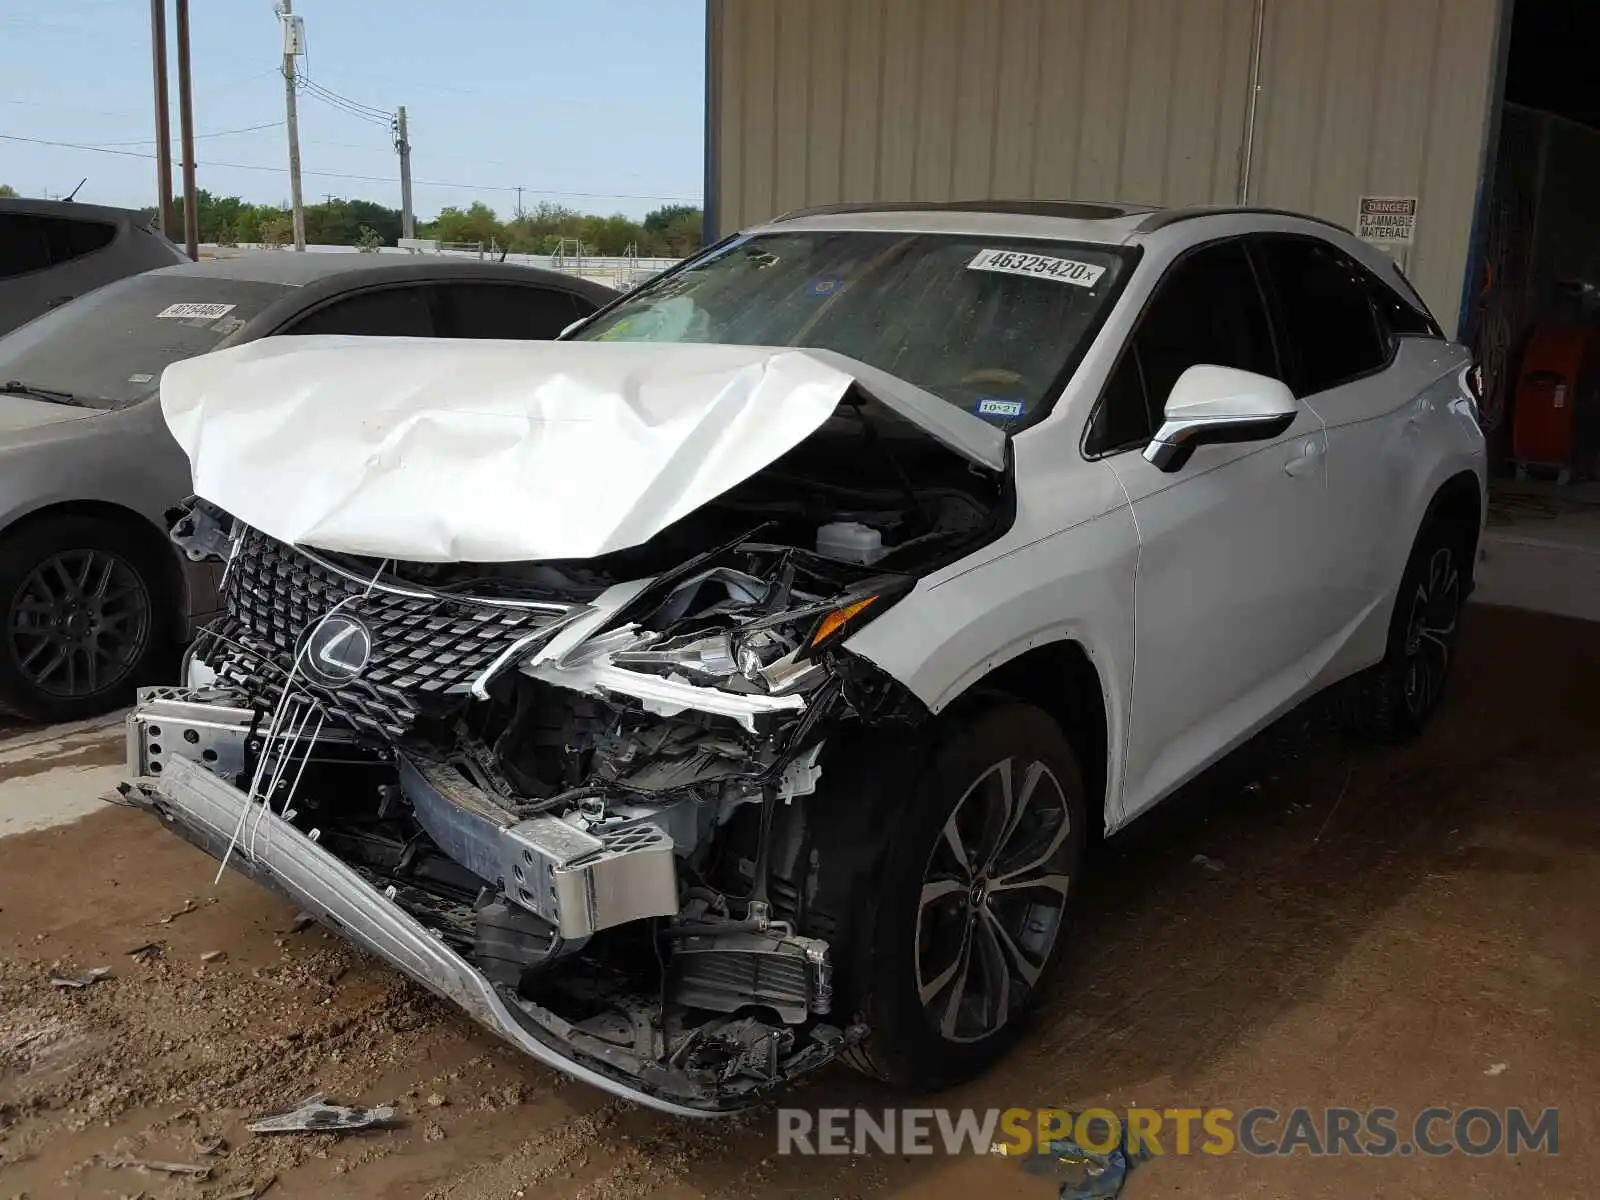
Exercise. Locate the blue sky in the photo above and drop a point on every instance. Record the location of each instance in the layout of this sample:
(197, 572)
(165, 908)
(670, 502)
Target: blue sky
(597, 104)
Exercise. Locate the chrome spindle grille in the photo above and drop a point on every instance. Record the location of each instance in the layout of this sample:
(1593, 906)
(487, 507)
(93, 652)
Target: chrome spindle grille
(426, 649)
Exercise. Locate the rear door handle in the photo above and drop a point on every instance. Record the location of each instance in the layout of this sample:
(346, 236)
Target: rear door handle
(1304, 462)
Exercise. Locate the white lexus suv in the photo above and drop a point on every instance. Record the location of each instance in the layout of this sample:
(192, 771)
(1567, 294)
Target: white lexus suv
(729, 686)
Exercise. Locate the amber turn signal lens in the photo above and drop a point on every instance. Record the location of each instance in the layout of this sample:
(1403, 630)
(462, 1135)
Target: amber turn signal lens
(838, 619)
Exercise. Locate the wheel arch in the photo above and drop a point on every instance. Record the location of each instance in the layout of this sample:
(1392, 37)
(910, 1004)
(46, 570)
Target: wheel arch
(152, 544)
(1459, 502)
(1061, 678)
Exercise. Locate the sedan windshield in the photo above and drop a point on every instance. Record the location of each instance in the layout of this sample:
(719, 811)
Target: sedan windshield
(107, 349)
(991, 325)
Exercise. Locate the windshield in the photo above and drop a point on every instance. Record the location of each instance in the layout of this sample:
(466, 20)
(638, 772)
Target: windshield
(988, 324)
(109, 347)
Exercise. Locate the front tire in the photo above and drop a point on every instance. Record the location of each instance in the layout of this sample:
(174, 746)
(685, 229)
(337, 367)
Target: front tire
(966, 917)
(81, 619)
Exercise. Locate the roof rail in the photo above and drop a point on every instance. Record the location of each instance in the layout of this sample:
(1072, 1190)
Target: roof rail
(1071, 210)
(1162, 218)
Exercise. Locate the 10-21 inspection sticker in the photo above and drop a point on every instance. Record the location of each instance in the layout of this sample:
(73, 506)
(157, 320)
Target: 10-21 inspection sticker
(1039, 266)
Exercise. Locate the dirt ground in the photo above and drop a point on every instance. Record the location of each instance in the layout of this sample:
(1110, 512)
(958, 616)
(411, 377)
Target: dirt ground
(1400, 927)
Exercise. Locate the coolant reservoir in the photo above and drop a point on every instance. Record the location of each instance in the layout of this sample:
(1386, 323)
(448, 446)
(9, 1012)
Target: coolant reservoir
(850, 541)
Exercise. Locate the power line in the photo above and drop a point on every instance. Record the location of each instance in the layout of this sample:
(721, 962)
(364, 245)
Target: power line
(339, 98)
(421, 84)
(198, 136)
(354, 107)
(107, 31)
(357, 113)
(212, 87)
(334, 100)
(471, 187)
(93, 112)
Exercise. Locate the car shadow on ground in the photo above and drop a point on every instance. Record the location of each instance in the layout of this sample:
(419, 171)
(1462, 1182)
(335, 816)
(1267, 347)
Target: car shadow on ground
(1307, 839)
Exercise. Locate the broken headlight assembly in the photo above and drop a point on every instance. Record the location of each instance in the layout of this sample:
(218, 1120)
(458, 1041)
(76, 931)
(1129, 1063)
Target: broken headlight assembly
(776, 654)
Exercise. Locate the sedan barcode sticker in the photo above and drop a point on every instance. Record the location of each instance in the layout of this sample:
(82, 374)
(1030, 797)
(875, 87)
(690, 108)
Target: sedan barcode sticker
(189, 312)
(1040, 266)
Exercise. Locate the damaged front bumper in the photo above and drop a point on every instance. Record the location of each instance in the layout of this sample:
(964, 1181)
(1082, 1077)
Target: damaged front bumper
(212, 814)
(558, 813)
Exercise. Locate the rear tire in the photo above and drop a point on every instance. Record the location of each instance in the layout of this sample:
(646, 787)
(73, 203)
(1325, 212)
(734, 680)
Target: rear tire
(83, 619)
(1396, 699)
(954, 930)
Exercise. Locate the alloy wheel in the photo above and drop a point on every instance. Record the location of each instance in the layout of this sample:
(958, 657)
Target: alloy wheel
(993, 899)
(1435, 611)
(79, 623)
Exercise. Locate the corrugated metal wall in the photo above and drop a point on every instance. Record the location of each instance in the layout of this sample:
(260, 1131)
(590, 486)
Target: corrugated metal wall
(818, 101)
(1380, 97)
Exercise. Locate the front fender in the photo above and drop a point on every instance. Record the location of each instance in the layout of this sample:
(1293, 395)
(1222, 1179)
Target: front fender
(124, 463)
(1075, 585)
(125, 458)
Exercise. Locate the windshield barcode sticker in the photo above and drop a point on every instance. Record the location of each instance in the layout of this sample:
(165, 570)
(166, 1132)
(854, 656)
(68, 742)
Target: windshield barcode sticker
(1039, 266)
(191, 312)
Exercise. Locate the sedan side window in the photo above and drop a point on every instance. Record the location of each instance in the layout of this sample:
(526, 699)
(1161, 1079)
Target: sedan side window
(24, 244)
(509, 311)
(29, 243)
(387, 312)
(1324, 312)
(1208, 310)
(74, 239)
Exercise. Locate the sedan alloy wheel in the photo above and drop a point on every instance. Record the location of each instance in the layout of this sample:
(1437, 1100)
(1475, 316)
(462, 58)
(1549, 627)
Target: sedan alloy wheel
(79, 623)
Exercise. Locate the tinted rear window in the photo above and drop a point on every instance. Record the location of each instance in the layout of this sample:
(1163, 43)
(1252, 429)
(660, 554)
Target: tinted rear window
(1324, 310)
(137, 326)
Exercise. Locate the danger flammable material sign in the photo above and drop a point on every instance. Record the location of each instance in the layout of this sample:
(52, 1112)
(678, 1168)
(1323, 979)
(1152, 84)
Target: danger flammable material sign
(1389, 220)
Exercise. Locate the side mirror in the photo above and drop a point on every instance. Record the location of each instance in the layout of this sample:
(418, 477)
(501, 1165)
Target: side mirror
(1214, 405)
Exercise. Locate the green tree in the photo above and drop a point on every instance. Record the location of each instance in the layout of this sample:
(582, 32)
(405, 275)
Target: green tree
(340, 222)
(7, 190)
(685, 234)
(610, 235)
(248, 226)
(219, 216)
(476, 224)
(672, 229)
(659, 220)
(275, 228)
(539, 229)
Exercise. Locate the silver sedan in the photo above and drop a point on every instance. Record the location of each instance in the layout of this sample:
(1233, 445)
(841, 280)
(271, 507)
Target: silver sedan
(94, 599)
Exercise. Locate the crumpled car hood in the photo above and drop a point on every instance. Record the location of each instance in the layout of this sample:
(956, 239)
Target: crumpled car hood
(483, 451)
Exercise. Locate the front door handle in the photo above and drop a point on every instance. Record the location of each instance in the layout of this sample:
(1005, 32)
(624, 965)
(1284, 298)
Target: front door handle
(1305, 461)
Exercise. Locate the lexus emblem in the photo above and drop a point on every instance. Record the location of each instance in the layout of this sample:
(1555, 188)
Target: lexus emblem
(336, 650)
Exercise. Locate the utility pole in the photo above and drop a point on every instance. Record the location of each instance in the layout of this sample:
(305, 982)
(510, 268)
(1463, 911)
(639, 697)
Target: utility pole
(191, 209)
(158, 62)
(293, 44)
(519, 202)
(402, 144)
